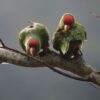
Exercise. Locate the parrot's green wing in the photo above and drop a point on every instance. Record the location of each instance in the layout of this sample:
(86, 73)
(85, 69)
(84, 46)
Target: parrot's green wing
(64, 46)
(42, 33)
(60, 42)
(21, 39)
(80, 32)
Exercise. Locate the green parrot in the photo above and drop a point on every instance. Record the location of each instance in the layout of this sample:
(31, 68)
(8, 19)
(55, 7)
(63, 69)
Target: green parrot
(33, 38)
(69, 36)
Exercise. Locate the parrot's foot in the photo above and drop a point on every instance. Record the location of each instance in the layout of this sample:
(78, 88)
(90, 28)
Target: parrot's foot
(69, 57)
(78, 54)
(44, 52)
(73, 55)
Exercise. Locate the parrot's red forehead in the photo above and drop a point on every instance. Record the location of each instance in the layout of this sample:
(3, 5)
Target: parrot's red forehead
(68, 19)
(32, 42)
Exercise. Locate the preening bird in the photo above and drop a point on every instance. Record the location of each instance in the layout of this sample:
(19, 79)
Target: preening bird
(33, 38)
(69, 36)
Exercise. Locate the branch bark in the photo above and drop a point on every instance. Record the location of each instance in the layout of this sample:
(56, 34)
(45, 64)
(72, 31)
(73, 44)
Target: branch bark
(77, 68)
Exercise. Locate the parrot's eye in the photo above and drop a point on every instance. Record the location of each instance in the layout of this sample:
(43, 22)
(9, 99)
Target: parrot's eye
(32, 43)
(68, 19)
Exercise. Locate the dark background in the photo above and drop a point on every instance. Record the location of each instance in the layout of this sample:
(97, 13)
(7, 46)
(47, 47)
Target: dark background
(18, 83)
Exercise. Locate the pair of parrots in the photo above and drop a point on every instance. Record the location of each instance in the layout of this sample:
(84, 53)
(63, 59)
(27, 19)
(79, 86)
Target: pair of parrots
(67, 39)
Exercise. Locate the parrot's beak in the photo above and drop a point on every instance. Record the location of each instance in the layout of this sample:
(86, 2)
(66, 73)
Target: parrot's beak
(66, 27)
(32, 51)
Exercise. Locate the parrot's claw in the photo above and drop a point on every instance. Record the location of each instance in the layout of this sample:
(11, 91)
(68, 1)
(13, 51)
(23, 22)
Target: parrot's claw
(78, 54)
(74, 55)
(45, 51)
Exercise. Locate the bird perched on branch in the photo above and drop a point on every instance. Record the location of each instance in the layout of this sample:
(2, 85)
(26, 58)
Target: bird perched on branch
(69, 36)
(33, 38)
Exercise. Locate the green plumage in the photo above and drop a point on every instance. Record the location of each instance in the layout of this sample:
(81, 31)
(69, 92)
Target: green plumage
(67, 41)
(36, 31)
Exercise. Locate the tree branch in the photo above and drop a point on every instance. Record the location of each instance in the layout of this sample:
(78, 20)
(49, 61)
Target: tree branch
(76, 68)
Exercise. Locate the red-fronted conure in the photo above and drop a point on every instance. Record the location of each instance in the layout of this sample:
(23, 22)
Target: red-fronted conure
(33, 38)
(69, 36)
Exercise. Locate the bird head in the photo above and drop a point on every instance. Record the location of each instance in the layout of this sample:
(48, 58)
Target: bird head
(33, 47)
(67, 21)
